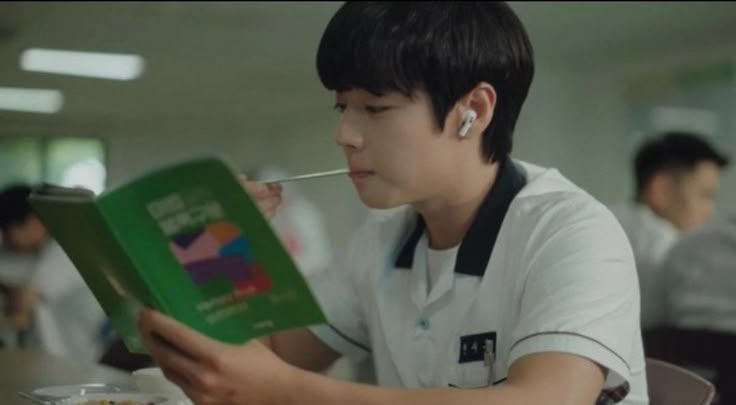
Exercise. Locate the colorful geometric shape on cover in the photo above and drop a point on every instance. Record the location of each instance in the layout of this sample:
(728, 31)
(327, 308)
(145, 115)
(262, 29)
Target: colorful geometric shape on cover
(224, 232)
(194, 246)
(220, 250)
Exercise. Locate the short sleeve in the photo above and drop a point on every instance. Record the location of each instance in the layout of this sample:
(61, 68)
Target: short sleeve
(581, 294)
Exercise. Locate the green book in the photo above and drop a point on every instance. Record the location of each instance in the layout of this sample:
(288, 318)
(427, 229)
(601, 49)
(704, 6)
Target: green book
(187, 240)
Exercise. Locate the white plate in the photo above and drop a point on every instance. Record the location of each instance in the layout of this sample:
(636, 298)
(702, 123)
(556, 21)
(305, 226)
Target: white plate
(61, 391)
(144, 399)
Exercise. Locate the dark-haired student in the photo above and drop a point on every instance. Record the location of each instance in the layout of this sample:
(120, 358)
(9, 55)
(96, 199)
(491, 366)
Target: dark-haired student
(491, 280)
(677, 178)
(53, 308)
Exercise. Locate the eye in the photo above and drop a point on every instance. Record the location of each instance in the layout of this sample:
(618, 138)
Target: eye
(339, 107)
(373, 109)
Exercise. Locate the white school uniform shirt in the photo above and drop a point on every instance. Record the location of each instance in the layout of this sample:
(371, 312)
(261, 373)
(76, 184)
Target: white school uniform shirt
(651, 238)
(700, 276)
(543, 268)
(68, 320)
(300, 226)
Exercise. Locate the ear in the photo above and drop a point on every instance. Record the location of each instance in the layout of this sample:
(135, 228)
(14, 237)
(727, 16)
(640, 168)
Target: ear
(482, 100)
(660, 191)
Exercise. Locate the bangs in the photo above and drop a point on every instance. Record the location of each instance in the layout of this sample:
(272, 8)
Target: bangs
(368, 55)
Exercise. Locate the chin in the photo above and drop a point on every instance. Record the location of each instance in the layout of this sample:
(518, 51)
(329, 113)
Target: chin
(379, 202)
(379, 205)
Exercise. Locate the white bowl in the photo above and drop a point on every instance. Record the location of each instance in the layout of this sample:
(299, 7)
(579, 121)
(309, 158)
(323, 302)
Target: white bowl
(119, 397)
(62, 391)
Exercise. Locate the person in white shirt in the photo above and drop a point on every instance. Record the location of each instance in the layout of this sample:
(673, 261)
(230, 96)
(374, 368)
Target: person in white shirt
(700, 276)
(300, 226)
(53, 308)
(491, 281)
(677, 178)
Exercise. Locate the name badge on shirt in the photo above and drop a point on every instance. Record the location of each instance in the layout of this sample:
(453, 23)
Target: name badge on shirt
(478, 347)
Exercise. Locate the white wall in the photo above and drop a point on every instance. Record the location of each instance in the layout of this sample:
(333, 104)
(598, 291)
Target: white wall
(544, 130)
(599, 139)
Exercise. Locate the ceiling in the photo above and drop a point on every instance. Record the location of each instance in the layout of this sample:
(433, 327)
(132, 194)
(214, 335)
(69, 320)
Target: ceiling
(217, 59)
(596, 33)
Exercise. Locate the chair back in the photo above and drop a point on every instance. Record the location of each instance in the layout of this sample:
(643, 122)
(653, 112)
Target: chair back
(712, 352)
(673, 385)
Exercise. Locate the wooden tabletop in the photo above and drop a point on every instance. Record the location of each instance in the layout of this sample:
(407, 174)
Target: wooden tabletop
(25, 370)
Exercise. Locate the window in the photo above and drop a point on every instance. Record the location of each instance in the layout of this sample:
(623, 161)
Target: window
(63, 161)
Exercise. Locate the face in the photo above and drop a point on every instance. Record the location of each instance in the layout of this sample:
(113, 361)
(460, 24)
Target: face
(693, 194)
(394, 149)
(26, 236)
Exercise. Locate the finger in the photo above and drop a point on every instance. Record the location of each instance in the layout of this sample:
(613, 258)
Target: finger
(270, 202)
(263, 191)
(194, 392)
(200, 398)
(275, 188)
(270, 208)
(166, 355)
(189, 374)
(177, 378)
(253, 187)
(190, 342)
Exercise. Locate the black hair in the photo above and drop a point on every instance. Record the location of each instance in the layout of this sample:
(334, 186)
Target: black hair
(14, 205)
(673, 151)
(443, 48)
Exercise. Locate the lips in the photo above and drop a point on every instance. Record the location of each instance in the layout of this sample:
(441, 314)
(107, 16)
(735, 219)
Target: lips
(360, 174)
(356, 172)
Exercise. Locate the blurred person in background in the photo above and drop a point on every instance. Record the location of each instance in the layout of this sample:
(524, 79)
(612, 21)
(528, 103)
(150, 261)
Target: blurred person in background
(677, 178)
(700, 279)
(299, 225)
(700, 306)
(53, 309)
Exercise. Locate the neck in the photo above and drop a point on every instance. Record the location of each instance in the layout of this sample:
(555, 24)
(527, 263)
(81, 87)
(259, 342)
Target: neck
(449, 216)
(649, 202)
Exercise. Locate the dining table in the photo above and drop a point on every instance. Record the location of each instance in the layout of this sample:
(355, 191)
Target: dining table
(27, 370)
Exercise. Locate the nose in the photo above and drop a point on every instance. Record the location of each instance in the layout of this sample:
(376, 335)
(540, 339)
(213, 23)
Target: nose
(347, 135)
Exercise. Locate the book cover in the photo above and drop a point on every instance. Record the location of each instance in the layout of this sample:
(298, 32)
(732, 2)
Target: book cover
(187, 240)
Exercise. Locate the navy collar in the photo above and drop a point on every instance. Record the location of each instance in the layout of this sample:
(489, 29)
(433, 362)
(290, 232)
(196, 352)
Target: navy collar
(477, 245)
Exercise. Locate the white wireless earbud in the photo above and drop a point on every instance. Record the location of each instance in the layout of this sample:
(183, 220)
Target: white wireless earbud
(468, 120)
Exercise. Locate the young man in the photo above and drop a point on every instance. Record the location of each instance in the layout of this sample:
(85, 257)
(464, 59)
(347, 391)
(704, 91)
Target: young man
(489, 273)
(676, 183)
(57, 309)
